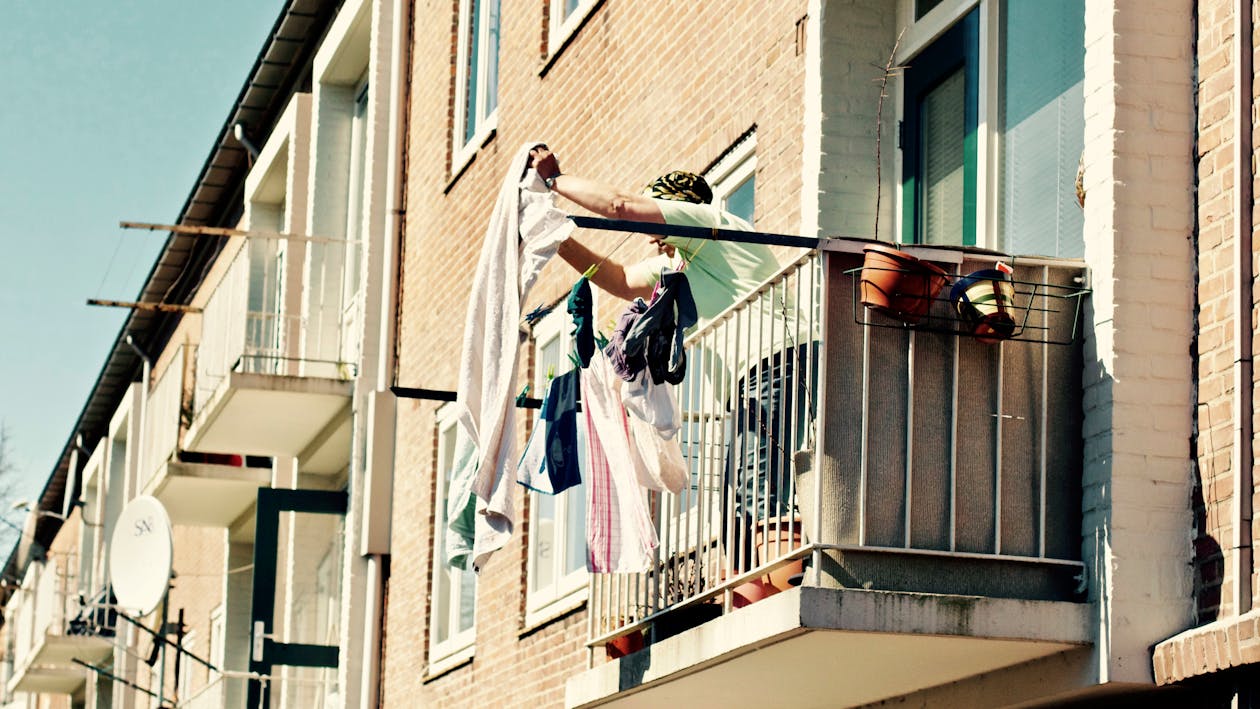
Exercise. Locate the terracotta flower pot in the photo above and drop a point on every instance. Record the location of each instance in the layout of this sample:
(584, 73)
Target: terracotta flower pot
(899, 285)
(624, 645)
(985, 300)
(773, 538)
(750, 592)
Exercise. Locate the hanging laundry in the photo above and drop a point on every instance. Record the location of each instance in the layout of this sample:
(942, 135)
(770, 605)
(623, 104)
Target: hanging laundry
(619, 531)
(561, 449)
(579, 306)
(659, 463)
(531, 471)
(656, 404)
(524, 231)
(658, 333)
(626, 367)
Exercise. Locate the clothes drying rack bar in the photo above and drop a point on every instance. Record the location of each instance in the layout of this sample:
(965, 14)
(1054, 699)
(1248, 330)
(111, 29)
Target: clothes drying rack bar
(699, 232)
(447, 395)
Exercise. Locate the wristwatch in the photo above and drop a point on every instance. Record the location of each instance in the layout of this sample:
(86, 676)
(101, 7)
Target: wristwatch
(550, 181)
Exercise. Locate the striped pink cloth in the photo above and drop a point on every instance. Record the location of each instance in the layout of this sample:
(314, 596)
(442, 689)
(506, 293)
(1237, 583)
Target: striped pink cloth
(620, 536)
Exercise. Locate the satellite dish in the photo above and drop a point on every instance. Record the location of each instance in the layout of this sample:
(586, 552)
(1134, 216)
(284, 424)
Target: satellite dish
(140, 555)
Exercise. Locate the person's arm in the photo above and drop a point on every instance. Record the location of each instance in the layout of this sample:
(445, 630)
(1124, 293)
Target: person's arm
(604, 200)
(611, 276)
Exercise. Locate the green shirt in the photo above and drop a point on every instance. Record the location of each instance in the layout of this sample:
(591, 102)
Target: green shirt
(720, 272)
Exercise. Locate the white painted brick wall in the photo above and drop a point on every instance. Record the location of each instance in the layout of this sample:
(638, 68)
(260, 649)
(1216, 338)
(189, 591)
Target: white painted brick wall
(1139, 124)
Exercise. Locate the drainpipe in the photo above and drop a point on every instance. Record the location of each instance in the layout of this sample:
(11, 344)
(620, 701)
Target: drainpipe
(386, 371)
(142, 454)
(1243, 369)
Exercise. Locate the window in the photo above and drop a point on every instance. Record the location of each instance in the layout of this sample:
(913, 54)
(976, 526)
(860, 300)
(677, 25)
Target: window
(556, 573)
(477, 75)
(184, 683)
(566, 16)
(733, 178)
(993, 125)
(217, 630)
(454, 591)
(356, 197)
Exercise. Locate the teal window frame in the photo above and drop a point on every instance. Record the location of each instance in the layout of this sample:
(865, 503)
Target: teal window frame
(958, 48)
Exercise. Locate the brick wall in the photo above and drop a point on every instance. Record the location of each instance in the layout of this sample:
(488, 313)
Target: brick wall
(1214, 503)
(642, 88)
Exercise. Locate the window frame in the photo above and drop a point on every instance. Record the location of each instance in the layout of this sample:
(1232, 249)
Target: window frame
(483, 124)
(985, 181)
(460, 645)
(732, 170)
(568, 591)
(561, 28)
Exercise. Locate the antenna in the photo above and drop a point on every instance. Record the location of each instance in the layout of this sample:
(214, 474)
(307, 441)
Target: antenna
(141, 555)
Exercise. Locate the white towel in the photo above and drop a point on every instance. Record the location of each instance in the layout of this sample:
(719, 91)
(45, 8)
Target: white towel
(524, 231)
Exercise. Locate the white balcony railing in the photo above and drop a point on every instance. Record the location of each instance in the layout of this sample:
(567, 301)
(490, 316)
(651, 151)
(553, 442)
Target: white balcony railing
(245, 328)
(48, 600)
(933, 453)
(163, 411)
(748, 401)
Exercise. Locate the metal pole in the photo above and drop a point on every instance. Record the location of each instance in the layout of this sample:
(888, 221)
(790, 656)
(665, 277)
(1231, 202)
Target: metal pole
(161, 693)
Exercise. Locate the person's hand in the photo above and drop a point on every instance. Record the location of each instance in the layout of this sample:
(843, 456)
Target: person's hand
(662, 247)
(544, 161)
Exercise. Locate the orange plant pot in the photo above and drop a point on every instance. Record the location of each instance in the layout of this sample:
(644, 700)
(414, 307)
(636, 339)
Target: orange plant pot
(624, 645)
(899, 285)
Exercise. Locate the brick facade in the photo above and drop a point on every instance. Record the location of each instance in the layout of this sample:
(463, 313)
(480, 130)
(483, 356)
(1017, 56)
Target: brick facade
(635, 93)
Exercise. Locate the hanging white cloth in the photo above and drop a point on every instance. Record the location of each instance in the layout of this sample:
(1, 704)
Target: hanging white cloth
(524, 231)
(620, 535)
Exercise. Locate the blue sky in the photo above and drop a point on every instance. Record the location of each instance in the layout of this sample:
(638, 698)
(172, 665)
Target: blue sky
(110, 109)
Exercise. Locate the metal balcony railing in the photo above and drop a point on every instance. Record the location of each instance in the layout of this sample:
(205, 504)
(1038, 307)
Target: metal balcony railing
(826, 451)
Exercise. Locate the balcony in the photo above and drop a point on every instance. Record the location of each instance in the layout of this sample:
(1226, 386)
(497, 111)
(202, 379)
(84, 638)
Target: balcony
(910, 492)
(196, 489)
(268, 383)
(49, 634)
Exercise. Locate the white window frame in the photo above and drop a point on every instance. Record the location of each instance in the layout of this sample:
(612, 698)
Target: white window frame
(184, 681)
(730, 172)
(483, 124)
(218, 636)
(357, 200)
(560, 28)
(459, 646)
(567, 591)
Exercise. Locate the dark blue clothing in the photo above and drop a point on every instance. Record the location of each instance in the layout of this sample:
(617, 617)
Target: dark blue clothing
(560, 416)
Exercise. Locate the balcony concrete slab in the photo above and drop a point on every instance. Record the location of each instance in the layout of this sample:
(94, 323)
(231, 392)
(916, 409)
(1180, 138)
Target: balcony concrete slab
(205, 495)
(51, 668)
(816, 647)
(268, 414)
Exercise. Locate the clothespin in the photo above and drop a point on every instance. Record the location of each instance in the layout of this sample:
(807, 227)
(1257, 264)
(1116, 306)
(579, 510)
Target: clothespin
(601, 340)
(551, 372)
(1001, 266)
(577, 361)
(520, 398)
(538, 313)
(590, 272)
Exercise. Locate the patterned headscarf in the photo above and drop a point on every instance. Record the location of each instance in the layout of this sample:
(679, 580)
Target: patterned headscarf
(680, 186)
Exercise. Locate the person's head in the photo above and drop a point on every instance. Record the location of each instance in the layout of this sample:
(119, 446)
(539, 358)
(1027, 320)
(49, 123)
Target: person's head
(680, 186)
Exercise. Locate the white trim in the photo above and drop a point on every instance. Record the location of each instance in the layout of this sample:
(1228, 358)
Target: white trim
(343, 55)
(729, 173)
(932, 25)
(458, 646)
(567, 591)
(464, 150)
(278, 148)
(561, 28)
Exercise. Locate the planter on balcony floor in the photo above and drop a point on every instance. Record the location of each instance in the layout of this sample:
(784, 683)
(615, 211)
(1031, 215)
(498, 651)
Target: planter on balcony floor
(680, 620)
(774, 537)
(899, 285)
